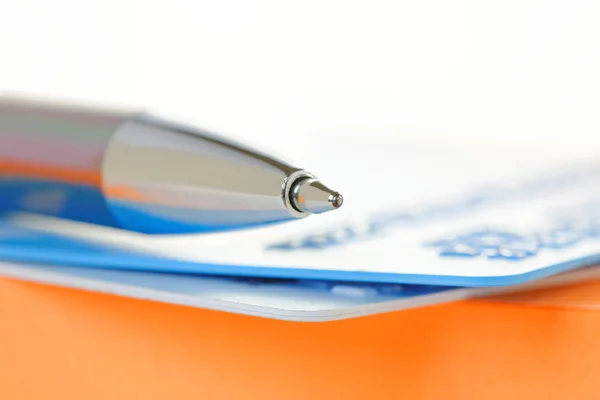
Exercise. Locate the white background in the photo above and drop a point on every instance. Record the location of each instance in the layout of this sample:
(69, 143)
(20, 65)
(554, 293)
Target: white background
(520, 75)
(518, 79)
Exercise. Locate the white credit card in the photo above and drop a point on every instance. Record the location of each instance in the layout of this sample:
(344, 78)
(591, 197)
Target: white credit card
(414, 214)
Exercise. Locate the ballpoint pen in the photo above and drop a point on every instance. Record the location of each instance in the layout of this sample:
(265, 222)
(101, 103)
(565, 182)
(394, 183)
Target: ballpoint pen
(136, 171)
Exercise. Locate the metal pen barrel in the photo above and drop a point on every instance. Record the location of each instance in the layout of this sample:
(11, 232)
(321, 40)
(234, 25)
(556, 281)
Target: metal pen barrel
(132, 170)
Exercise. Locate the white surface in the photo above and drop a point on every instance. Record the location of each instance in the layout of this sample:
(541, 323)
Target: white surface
(513, 82)
(505, 75)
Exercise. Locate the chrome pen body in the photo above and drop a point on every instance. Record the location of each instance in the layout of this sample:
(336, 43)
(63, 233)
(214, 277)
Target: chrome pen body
(135, 171)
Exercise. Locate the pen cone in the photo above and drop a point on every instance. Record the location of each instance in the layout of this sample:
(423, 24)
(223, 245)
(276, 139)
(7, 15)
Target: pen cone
(310, 195)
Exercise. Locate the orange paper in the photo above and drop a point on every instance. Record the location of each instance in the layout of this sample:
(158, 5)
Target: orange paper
(67, 344)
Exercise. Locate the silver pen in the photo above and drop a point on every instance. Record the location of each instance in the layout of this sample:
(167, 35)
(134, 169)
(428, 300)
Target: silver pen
(135, 171)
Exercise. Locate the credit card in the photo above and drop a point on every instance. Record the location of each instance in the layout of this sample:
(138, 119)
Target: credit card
(284, 299)
(424, 218)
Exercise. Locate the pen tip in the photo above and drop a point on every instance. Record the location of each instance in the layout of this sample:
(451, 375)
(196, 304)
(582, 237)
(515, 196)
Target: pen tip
(337, 200)
(311, 196)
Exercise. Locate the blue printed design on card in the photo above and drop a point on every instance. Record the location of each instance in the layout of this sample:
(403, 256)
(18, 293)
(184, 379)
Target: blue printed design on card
(493, 244)
(506, 245)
